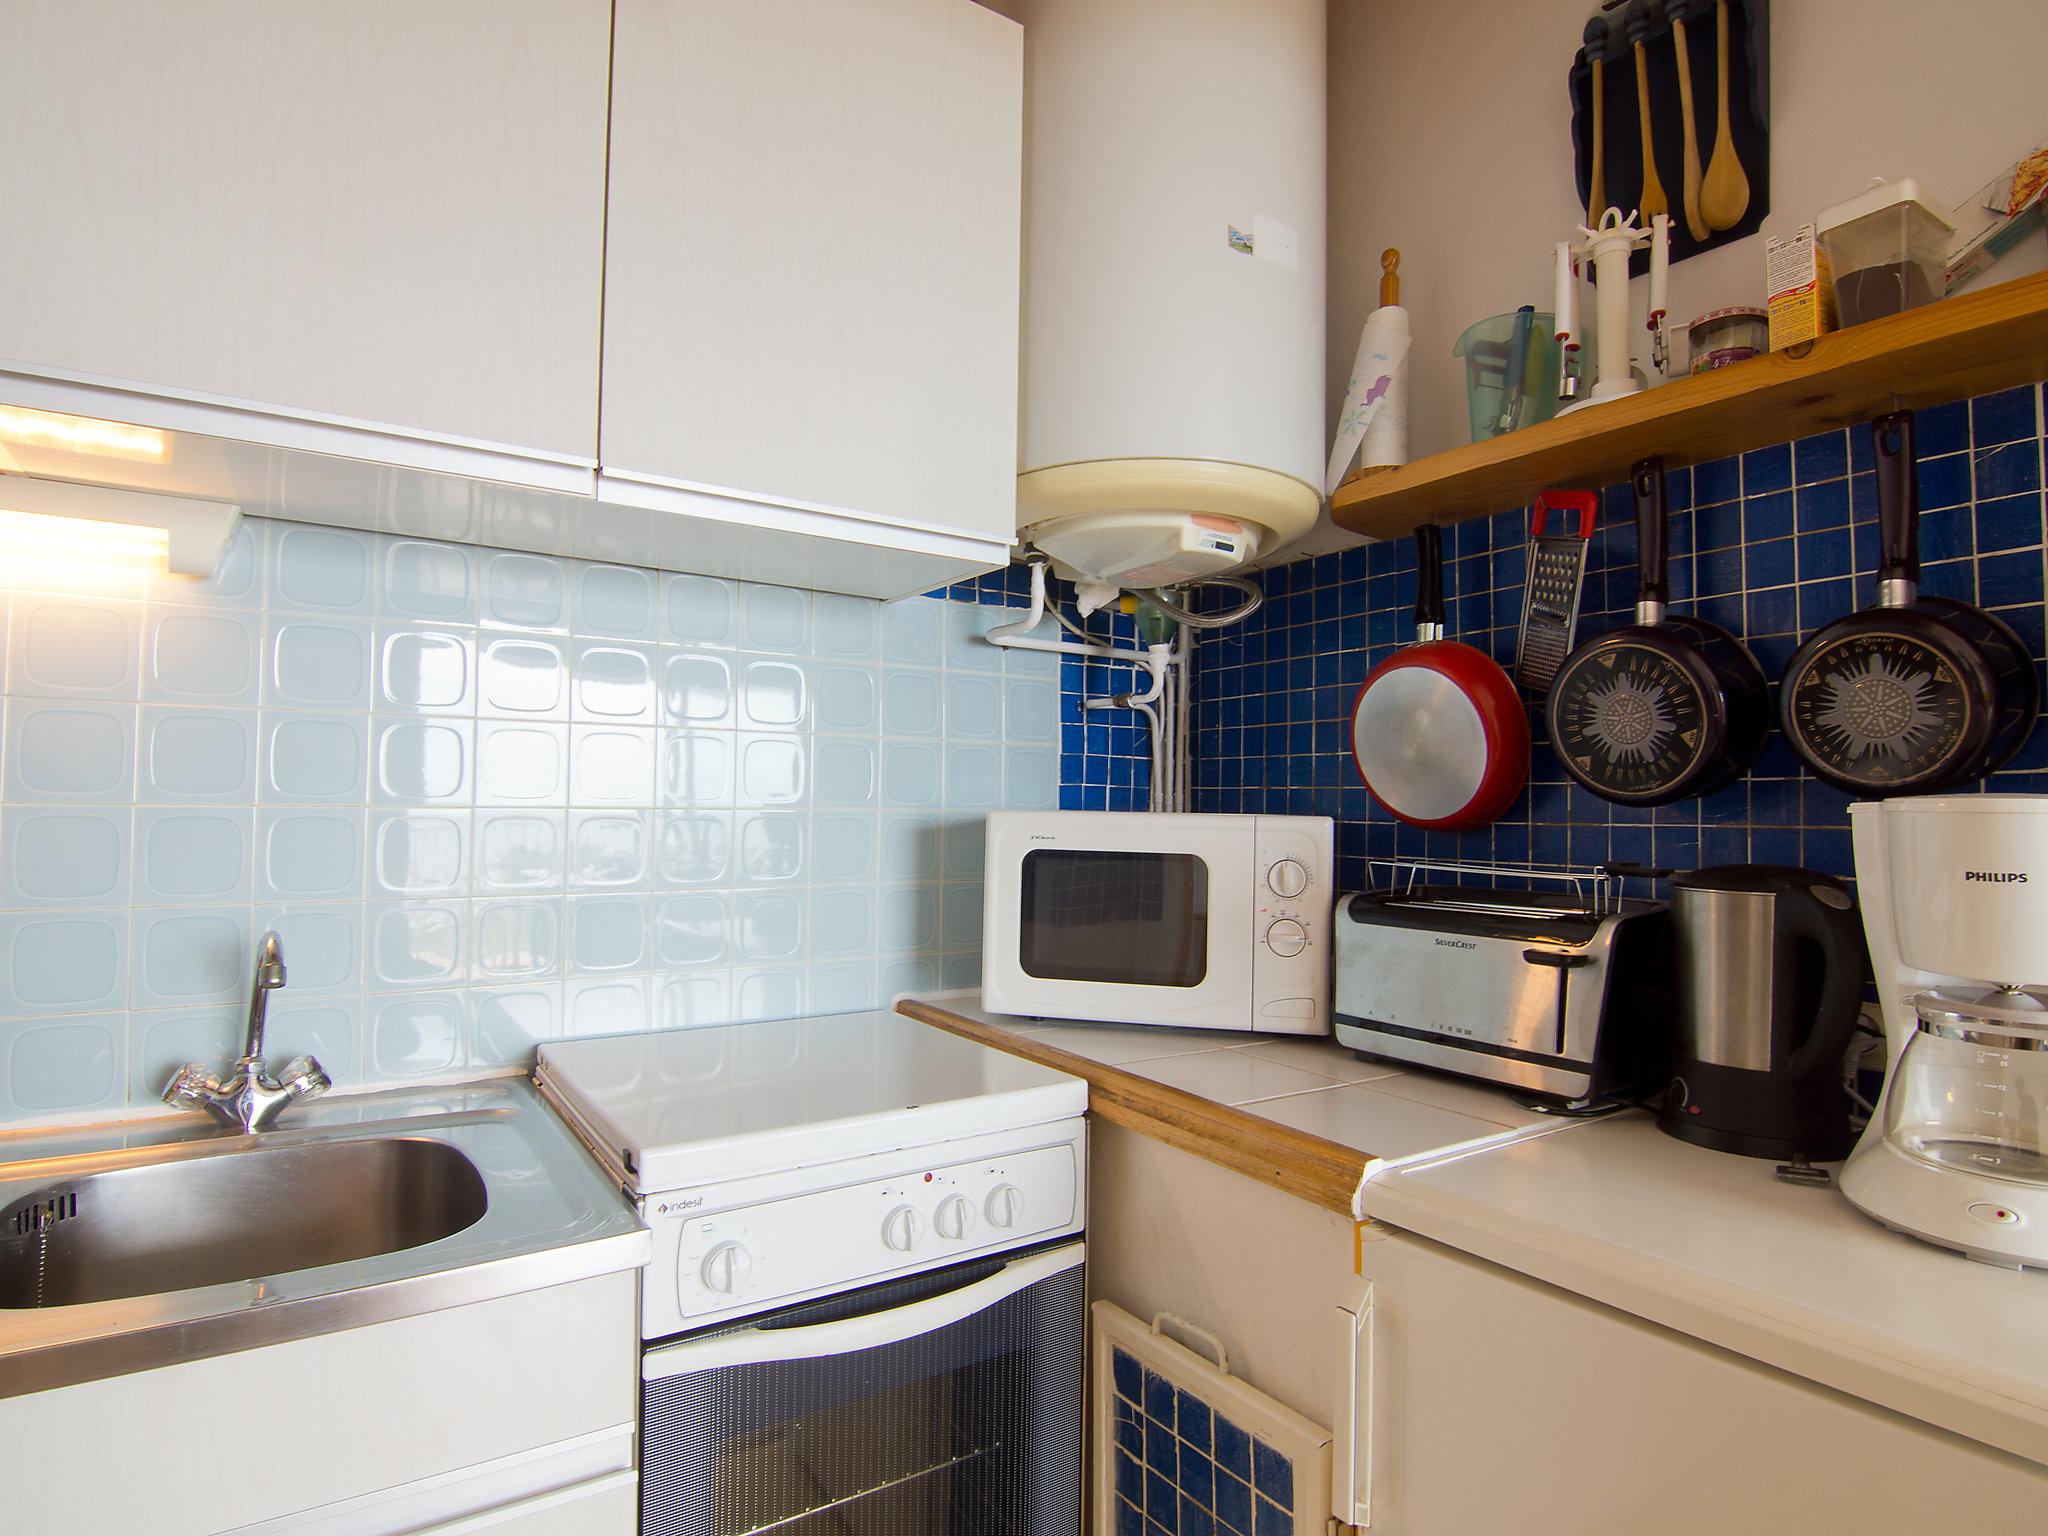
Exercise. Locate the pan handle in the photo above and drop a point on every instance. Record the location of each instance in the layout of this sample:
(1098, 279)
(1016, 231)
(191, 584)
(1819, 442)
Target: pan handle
(1898, 510)
(1653, 588)
(1429, 582)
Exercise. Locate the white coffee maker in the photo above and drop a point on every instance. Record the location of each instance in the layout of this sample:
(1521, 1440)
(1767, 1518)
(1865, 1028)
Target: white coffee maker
(1955, 908)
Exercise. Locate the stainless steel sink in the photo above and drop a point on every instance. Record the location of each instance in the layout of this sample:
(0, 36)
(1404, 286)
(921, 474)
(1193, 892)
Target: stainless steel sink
(250, 1209)
(148, 1241)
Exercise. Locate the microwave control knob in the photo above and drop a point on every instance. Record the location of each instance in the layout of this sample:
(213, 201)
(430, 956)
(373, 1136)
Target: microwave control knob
(1287, 877)
(1005, 1206)
(954, 1218)
(1286, 937)
(902, 1229)
(726, 1268)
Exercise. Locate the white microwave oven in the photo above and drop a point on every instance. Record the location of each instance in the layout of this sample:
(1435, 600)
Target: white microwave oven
(1196, 921)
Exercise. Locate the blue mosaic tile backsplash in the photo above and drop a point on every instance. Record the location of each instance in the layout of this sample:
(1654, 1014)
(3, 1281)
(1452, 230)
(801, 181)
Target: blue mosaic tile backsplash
(1184, 1470)
(1772, 545)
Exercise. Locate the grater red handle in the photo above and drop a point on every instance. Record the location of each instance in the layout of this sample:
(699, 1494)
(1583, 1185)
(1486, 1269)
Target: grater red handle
(1585, 503)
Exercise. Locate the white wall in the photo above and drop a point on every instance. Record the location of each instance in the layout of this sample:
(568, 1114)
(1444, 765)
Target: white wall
(1450, 137)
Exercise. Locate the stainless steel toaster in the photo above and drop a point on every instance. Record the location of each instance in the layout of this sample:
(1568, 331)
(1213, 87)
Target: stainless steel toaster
(1564, 998)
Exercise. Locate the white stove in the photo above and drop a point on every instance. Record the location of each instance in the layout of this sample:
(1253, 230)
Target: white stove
(780, 1161)
(865, 1308)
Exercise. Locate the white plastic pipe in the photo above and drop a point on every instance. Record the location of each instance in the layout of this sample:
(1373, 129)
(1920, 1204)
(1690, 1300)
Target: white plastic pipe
(1017, 635)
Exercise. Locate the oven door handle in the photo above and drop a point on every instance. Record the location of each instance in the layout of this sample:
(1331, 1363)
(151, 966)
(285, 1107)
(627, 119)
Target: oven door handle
(892, 1325)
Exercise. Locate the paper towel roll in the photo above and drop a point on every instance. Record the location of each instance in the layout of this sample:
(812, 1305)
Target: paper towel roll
(1378, 372)
(1386, 435)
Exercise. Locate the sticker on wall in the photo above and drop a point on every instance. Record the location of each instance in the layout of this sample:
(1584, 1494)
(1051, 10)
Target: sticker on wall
(1269, 240)
(1276, 242)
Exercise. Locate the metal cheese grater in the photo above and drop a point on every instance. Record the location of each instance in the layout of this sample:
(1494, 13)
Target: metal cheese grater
(1550, 598)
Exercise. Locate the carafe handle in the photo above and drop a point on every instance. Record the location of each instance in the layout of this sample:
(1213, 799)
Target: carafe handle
(1805, 914)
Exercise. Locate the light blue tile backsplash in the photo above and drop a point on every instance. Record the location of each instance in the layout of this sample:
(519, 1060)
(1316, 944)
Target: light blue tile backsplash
(489, 799)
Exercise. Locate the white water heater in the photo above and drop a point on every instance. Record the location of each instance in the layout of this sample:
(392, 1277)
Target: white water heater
(1172, 390)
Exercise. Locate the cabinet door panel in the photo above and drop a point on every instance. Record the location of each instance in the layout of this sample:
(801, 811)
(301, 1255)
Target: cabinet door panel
(384, 211)
(274, 1433)
(1503, 1404)
(812, 254)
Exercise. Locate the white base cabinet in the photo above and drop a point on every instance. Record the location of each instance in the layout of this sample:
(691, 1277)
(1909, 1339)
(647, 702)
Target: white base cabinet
(1488, 1401)
(1468, 1400)
(513, 1415)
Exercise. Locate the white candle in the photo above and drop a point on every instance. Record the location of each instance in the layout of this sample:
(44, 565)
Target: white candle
(1565, 297)
(1660, 267)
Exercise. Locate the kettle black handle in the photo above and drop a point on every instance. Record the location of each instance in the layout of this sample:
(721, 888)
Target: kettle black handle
(1839, 934)
(1653, 584)
(1898, 499)
(1429, 575)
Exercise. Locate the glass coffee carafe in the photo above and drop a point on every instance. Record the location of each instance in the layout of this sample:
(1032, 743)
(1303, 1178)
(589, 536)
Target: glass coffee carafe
(1970, 1092)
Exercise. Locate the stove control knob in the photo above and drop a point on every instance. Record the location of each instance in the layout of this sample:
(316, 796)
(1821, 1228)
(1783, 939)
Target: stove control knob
(1286, 937)
(954, 1218)
(1005, 1206)
(902, 1229)
(1287, 877)
(726, 1268)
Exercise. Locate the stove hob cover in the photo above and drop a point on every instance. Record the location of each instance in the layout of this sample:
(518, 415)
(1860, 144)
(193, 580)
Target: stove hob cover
(698, 1106)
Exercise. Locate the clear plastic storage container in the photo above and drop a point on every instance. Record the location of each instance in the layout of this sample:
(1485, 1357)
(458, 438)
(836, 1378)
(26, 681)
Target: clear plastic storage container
(1887, 248)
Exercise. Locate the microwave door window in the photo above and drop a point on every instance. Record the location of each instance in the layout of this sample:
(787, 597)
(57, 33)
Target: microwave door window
(1128, 919)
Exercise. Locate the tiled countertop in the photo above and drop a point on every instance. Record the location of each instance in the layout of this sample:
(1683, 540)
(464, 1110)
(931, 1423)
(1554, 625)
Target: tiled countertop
(1303, 1115)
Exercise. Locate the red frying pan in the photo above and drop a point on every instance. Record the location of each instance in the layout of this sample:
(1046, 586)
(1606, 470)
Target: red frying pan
(1439, 732)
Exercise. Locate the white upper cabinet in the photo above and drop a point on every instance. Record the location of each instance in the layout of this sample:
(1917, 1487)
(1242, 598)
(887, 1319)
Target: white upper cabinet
(385, 211)
(811, 271)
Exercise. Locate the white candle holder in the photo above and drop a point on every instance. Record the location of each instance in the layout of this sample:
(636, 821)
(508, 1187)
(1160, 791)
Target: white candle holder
(1608, 247)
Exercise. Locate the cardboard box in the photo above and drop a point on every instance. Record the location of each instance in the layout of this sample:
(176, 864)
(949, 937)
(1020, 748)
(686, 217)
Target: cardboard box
(1802, 292)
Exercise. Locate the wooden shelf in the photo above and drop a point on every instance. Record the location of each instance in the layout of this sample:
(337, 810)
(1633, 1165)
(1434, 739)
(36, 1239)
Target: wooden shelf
(1984, 341)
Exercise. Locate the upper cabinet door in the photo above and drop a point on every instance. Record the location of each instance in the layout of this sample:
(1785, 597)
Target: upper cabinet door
(386, 210)
(812, 252)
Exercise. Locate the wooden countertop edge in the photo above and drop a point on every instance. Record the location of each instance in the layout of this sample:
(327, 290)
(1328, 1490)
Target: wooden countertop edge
(1324, 1173)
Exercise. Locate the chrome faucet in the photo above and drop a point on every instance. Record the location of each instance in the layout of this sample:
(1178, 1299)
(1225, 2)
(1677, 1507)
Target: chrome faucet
(251, 1098)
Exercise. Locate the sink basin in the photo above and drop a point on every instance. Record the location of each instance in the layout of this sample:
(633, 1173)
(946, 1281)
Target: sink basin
(229, 1215)
(150, 1240)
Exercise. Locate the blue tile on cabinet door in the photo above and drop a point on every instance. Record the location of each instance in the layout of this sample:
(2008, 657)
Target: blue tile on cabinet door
(1233, 1448)
(1130, 1478)
(1162, 1500)
(1234, 1503)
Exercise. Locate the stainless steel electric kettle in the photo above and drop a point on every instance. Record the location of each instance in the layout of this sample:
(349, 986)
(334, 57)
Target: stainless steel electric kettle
(1770, 967)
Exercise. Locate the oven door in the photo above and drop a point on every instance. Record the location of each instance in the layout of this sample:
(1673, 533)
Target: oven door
(1134, 920)
(943, 1403)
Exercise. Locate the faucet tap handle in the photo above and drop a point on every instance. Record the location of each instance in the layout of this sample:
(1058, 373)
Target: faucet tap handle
(192, 1087)
(304, 1078)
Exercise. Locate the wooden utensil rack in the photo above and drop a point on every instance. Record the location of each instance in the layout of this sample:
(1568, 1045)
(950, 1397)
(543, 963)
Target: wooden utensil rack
(1990, 340)
(1749, 96)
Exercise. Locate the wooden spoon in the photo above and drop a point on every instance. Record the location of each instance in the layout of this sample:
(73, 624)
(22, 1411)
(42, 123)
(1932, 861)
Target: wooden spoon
(1653, 201)
(1596, 60)
(1695, 222)
(1724, 195)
